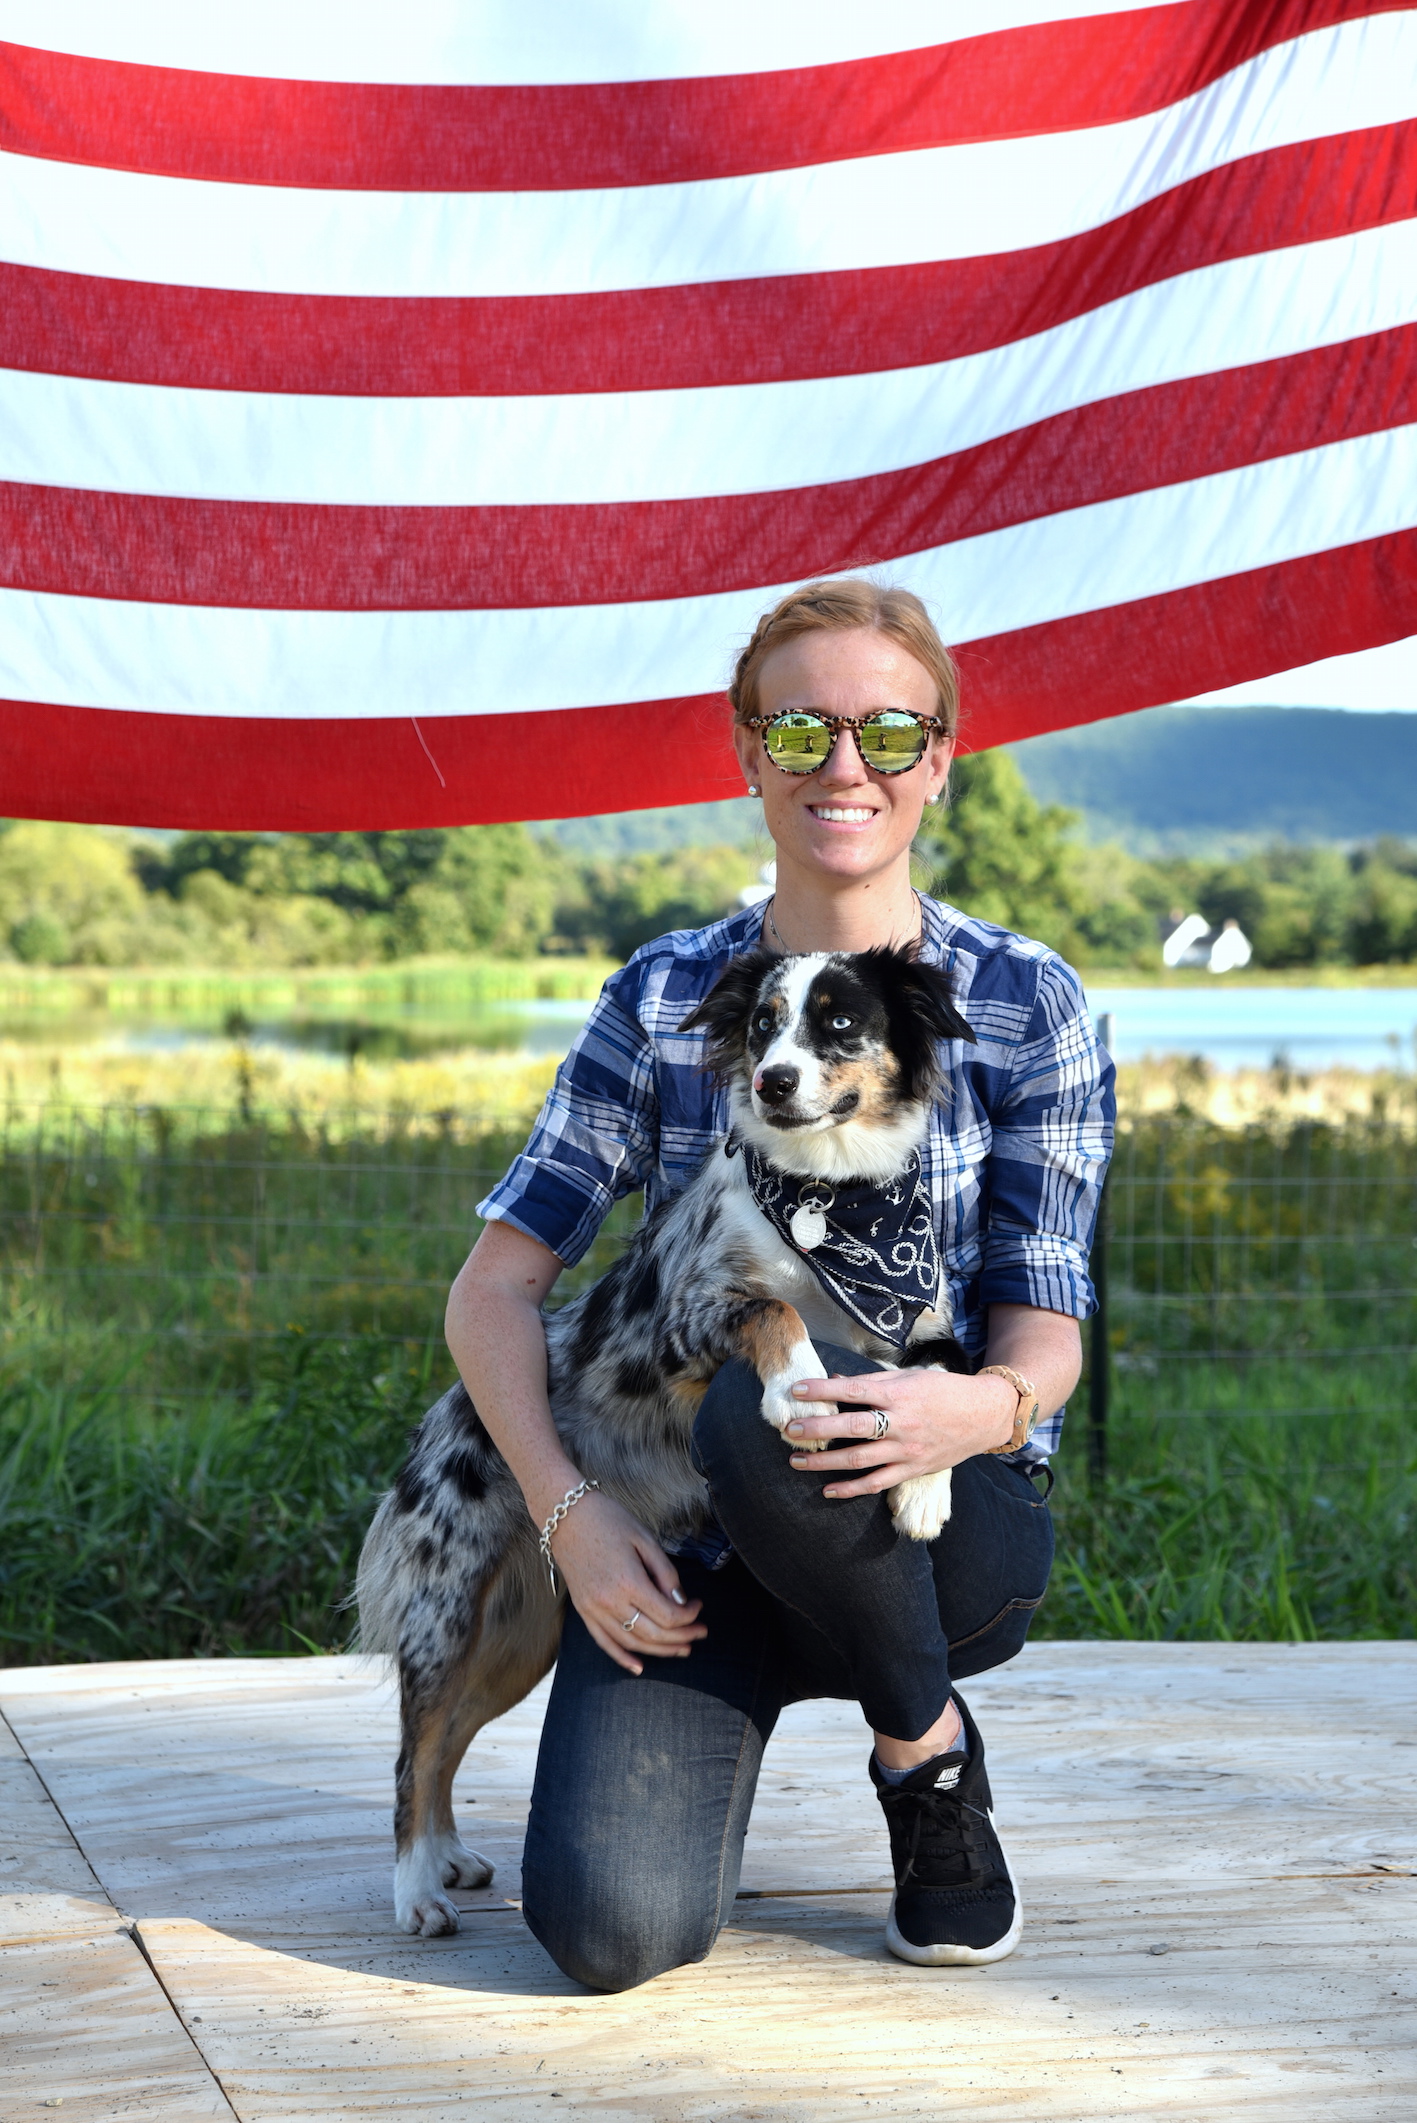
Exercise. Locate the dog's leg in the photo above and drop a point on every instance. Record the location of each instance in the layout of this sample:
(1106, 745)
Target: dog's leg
(770, 1334)
(921, 1507)
(453, 1681)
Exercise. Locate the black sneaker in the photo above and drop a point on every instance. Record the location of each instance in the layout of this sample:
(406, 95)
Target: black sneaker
(956, 1902)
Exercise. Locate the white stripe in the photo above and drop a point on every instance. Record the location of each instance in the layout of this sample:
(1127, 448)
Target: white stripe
(180, 659)
(1373, 681)
(658, 445)
(937, 203)
(454, 41)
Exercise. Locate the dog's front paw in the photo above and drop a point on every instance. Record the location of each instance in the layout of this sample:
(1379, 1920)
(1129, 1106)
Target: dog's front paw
(781, 1407)
(920, 1507)
(463, 1867)
(420, 1905)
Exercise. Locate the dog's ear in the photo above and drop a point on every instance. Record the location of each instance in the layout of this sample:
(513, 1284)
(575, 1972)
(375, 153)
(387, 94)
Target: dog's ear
(926, 1015)
(726, 1009)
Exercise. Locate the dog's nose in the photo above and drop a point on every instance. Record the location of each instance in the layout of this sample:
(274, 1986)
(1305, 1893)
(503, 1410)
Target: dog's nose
(777, 1084)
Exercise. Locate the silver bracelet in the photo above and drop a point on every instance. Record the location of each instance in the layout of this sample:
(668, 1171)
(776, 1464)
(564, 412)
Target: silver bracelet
(566, 1505)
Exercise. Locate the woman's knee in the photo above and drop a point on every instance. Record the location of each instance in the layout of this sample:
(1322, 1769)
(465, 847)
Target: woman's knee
(610, 1939)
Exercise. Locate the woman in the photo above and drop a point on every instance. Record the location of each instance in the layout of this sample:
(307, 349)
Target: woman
(673, 1669)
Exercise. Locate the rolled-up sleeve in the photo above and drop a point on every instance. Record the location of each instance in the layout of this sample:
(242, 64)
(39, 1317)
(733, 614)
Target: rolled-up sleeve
(1052, 1125)
(595, 1139)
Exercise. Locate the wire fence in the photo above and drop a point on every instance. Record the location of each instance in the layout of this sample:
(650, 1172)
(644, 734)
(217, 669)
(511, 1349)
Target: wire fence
(1271, 1267)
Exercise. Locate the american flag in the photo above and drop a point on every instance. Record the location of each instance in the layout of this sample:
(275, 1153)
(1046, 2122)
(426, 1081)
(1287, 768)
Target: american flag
(405, 411)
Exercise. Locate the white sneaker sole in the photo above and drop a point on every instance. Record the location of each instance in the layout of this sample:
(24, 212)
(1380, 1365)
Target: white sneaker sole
(959, 1956)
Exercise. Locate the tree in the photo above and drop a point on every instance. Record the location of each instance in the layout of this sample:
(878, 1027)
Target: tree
(1000, 855)
(66, 893)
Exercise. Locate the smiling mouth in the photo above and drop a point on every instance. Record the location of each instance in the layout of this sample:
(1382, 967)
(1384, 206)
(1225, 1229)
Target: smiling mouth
(842, 814)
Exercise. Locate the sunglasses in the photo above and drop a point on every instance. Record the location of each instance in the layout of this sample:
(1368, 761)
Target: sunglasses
(891, 742)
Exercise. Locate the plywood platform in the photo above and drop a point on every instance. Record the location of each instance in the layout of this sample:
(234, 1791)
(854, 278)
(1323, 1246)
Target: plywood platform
(1215, 1843)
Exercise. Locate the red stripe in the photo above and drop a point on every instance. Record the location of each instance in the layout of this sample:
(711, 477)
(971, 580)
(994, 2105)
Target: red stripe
(172, 550)
(1218, 634)
(1047, 77)
(228, 774)
(745, 331)
(238, 775)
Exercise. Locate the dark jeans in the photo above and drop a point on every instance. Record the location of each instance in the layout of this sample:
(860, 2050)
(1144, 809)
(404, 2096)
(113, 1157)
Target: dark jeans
(644, 1784)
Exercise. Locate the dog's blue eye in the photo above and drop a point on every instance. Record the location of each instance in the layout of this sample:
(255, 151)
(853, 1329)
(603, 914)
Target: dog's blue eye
(764, 1023)
(842, 1024)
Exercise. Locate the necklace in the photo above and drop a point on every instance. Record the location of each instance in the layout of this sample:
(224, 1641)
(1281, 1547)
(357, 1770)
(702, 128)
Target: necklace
(893, 945)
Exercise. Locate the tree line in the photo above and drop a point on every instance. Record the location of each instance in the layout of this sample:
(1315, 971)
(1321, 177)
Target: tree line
(82, 895)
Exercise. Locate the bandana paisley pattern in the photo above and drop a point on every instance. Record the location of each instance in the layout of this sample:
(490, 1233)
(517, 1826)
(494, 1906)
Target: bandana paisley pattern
(878, 1260)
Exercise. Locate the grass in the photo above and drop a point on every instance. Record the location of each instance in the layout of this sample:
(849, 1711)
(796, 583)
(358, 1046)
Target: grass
(221, 1522)
(228, 1520)
(1239, 1527)
(207, 995)
(218, 1325)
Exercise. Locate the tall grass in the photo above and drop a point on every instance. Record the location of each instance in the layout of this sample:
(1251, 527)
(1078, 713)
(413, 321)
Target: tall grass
(216, 1329)
(207, 994)
(1242, 1526)
(225, 1521)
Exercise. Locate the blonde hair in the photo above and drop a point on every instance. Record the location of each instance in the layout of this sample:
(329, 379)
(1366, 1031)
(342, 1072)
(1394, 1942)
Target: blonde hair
(854, 602)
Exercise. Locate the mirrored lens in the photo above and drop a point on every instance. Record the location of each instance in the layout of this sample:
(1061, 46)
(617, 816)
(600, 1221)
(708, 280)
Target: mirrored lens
(891, 742)
(799, 744)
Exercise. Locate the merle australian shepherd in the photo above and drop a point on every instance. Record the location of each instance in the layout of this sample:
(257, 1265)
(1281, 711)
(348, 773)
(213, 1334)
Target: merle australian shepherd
(832, 1064)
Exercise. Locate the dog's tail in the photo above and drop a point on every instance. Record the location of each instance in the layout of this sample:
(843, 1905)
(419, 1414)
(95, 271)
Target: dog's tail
(380, 1586)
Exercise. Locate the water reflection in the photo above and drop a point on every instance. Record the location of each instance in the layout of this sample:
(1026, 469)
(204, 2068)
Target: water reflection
(1233, 1027)
(534, 1028)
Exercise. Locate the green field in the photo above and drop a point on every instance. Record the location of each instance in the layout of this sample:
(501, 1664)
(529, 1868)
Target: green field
(216, 1333)
(34, 996)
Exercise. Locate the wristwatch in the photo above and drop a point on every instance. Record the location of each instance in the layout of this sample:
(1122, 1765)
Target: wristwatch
(1025, 1415)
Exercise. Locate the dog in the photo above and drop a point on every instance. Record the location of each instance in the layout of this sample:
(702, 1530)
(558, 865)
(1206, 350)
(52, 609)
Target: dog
(832, 1064)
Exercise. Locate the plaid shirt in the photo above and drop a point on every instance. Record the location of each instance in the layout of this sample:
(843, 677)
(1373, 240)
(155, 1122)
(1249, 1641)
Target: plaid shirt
(1013, 1162)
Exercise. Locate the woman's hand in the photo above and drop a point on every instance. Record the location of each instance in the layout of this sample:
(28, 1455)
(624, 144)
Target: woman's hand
(937, 1419)
(613, 1568)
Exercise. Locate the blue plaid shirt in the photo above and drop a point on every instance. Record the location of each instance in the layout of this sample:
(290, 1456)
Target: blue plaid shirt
(1013, 1162)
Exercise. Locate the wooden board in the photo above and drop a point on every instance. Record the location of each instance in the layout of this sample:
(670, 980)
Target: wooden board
(1245, 1808)
(89, 2030)
(87, 2025)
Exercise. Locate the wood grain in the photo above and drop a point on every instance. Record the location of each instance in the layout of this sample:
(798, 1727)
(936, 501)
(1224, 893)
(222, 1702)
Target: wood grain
(1248, 1809)
(87, 2026)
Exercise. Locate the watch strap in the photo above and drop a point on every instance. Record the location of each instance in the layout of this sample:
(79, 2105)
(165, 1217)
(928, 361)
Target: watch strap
(1025, 1415)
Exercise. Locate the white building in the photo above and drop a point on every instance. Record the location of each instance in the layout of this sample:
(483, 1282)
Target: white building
(1191, 941)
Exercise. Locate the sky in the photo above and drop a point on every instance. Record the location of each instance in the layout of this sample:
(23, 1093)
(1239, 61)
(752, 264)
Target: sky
(1375, 679)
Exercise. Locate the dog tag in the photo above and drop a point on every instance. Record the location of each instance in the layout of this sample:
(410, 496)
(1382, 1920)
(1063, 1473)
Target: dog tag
(808, 1227)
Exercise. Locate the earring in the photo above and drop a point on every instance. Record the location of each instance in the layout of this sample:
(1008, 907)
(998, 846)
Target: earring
(753, 789)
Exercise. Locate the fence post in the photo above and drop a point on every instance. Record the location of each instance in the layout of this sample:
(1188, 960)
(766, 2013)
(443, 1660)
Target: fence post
(1100, 1369)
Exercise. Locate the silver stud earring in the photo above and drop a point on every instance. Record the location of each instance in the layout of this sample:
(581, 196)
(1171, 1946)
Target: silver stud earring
(753, 789)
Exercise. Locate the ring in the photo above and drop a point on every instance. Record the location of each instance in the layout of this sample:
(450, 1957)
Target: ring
(883, 1424)
(632, 1621)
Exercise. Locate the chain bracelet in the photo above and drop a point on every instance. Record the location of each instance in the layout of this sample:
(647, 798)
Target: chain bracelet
(566, 1505)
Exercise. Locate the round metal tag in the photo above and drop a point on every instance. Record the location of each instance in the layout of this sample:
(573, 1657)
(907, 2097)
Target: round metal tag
(808, 1227)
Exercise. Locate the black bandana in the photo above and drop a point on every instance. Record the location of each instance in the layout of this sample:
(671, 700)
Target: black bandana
(876, 1257)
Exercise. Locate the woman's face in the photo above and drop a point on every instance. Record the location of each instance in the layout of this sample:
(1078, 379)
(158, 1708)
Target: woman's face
(844, 821)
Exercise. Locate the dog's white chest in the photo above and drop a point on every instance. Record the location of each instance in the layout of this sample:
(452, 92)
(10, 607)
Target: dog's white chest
(786, 1272)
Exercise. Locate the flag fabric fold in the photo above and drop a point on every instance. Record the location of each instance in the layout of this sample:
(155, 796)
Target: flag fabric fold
(419, 447)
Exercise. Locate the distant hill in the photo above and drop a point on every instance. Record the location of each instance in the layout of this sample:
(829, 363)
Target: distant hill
(1217, 780)
(1204, 781)
(736, 822)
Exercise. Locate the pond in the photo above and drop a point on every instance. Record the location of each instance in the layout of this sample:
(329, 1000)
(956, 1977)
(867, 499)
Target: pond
(1232, 1027)
(408, 1034)
(1257, 1028)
